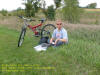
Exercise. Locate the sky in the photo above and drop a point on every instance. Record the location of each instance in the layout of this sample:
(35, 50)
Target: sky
(14, 4)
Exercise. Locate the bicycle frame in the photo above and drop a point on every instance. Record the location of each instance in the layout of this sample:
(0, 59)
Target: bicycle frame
(33, 28)
(37, 33)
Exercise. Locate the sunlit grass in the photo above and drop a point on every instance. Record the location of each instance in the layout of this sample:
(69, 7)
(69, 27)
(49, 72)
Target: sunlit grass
(96, 10)
(80, 57)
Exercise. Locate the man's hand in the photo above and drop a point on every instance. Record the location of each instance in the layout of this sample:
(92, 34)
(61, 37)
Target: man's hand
(51, 40)
(57, 41)
(63, 40)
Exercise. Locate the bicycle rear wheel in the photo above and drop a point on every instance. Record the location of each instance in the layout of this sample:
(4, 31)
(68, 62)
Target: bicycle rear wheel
(21, 37)
(47, 30)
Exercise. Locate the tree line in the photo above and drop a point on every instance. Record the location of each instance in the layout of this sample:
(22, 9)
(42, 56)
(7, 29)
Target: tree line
(70, 10)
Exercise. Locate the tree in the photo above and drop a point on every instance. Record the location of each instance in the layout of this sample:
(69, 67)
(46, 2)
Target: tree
(51, 13)
(57, 3)
(44, 8)
(31, 7)
(20, 11)
(36, 5)
(92, 5)
(4, 12)
(71, 11)
(29, 10)
(43, 3)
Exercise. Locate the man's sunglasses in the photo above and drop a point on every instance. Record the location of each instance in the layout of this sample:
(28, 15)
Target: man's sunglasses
(59, 24)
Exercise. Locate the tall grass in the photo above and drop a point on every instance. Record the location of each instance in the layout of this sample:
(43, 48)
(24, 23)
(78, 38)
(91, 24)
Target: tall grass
(87, 17)
(80, 57)
(91, 17)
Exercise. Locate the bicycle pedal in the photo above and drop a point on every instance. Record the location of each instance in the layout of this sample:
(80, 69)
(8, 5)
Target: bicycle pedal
(36, 35)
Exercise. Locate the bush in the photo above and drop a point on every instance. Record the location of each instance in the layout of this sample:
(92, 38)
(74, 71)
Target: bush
(4, 12)
(92, 5)
(96, 22)
(21, 12)
(9, 14)
(50, 13)
(29, 10)
(31, 7)
(71, 11)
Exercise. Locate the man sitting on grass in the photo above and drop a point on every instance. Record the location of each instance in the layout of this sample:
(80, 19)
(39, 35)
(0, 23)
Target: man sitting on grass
(59, 35)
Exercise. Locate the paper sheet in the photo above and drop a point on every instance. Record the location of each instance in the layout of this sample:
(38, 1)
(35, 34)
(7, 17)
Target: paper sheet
(40, 48)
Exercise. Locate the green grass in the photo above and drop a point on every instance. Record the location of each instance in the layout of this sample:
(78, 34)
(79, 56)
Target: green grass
(80, 57)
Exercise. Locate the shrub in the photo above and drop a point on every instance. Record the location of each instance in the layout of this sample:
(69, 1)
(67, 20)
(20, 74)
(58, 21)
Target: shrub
(4, 12)
(71, 11)
(9, 14)
(50, 13)
(96, 22)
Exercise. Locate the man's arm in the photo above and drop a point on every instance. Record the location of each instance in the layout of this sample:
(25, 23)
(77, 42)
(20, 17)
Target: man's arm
(53, 36)
(51, 40)
(63, 40)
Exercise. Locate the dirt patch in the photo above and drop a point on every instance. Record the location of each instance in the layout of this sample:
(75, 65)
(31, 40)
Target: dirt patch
(77, 26)
(16, 23)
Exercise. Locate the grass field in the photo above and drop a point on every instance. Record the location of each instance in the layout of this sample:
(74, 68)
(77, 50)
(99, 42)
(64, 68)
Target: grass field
(80, 57)
(88, 16)
(93, 10)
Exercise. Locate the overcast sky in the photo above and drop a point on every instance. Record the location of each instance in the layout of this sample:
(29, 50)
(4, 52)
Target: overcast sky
(14, 4)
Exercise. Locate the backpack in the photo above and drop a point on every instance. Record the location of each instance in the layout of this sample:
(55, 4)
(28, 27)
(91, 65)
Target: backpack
(44, 40)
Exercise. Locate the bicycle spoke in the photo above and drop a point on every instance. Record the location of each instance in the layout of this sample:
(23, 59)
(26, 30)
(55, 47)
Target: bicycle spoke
(21, 38)
(21, 42)
(48, 30)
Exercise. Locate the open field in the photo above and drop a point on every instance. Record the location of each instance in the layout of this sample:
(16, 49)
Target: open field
(93, 10)
(88, 16)
(80, 57)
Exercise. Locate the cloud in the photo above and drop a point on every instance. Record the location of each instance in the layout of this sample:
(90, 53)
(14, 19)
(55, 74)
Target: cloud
(10, 4)
(14, 4)
(86, 2)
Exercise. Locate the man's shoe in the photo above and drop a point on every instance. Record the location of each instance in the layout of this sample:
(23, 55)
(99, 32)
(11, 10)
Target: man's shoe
(46, 45)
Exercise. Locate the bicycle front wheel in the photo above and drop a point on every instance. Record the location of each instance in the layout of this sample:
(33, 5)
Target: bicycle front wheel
(47, 30)
(21, 37)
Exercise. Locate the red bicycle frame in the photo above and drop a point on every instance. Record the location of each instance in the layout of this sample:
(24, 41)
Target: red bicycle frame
(30, 26)
(34, 27)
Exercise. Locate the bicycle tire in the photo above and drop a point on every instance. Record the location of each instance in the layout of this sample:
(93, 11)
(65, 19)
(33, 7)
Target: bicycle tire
(21, 37)
(50, 28)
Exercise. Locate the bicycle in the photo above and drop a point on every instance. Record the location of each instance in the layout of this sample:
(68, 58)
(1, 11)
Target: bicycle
(46, 30)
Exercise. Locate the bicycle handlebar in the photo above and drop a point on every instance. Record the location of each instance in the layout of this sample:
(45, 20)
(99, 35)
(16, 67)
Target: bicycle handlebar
(42, 20)
(25, 18)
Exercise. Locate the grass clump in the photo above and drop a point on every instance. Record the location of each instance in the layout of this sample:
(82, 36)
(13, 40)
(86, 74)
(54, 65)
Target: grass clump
(80, 57)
